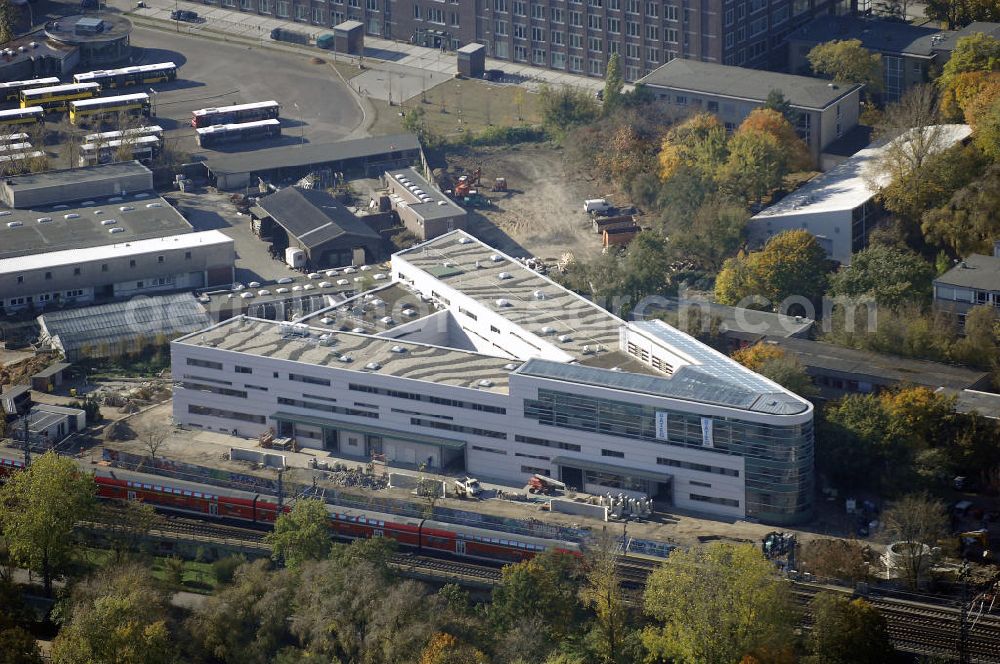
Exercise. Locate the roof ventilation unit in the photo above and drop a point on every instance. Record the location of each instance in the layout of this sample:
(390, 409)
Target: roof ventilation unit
(464, 240)
(373, 366)
(588, 350)
(485, 382)
(505, 275)
(548, 330)
(398, 349)
(345, 358)
(539, 295)
(326, 320)
(565, 338)
(503, 302)
(510, 367)
(496, 258)
(358, 330)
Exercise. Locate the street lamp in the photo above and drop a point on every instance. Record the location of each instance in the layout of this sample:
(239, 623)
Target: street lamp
(302, 124)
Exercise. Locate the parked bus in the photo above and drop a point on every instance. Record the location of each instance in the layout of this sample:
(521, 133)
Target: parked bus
(143, 148)
(232, 133)
(105, 136)
(11, 164)
(7, 139)
(58, 97)
(122, 78)
(20, 116)
(107, 107)
(15, 147)
(261, 110)
(12, 91)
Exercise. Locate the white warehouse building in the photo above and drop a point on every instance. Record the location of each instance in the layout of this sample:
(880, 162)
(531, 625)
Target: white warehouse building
(469, 361)
(839, 206)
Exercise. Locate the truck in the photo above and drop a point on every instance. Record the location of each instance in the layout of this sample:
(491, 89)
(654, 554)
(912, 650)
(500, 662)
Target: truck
(468, 488)
(544, 485)
(596, 205)
(325, 41)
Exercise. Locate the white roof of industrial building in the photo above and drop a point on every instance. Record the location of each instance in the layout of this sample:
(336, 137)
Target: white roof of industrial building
(134, 248)
(850, 184)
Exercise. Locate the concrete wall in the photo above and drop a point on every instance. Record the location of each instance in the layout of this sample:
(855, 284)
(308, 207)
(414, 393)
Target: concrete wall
(833, 230)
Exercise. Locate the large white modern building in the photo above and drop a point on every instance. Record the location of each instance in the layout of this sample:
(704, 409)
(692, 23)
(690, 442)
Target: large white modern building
(470, 361)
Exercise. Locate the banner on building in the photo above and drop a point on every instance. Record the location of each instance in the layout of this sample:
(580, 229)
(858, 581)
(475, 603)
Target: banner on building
(661, 425)
(706, 432)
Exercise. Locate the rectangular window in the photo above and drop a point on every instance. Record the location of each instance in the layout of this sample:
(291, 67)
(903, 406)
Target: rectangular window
(557, 15)
(575, 40)
(308, 379)
(594, 22)
(131, 263)
(243, 370)
(595, 44)
(491, 450)
(226, 414)
(76, 272)
(727, 502)
(207, 364)
(613, 453)
(537, 34)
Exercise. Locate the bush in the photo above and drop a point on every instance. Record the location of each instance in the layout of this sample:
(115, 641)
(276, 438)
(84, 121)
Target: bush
(509, 136)
(173, 568)
(225, 568)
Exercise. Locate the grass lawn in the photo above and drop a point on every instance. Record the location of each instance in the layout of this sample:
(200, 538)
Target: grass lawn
(198, 577)
(466, 105)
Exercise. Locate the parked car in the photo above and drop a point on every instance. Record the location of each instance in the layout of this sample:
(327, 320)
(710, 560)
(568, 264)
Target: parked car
(184, 15)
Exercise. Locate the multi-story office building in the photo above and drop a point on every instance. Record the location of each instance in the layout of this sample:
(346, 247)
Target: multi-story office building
(574, 35)
(470, 361)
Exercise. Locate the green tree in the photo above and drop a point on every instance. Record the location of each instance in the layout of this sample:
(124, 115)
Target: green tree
(847, 631)
(774, 363)
(564, 108)
(768, 121)
(446, 649)
(791, 264)
(38, 509)
(977, 52)
(715, 604)
(613, 84)
(852, 442)
(966, 224)
(847, 61)
(776, 102)
(757, 165)
(8, 16)
(302, 534)
(889, 275)
(602, 593)
(117, 617)
(645, 267)
(541, 589)
(713, 233)
(696, 145)
(351, 607)
(915, 192)
(960, 13)
(18, 646)
(247, 622)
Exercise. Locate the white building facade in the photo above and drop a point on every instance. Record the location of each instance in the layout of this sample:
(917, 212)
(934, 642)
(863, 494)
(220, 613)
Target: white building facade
(510, 375)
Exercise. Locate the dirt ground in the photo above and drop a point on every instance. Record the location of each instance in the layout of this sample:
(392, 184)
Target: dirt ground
(458, 106)
(541, 213)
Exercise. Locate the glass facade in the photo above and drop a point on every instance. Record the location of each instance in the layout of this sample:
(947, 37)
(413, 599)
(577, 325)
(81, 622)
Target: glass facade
(778, 458)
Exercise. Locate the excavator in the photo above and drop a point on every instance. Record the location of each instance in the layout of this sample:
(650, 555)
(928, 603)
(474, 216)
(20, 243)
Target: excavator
(466, 183)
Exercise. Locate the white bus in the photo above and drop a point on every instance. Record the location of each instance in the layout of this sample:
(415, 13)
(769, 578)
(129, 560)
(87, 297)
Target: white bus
(232, 133)
(11, 91)
(261, 110)
(138, 75)
(143, 148)
(105, 136)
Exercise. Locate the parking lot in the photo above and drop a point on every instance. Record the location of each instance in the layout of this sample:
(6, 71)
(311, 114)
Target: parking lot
(316, 106)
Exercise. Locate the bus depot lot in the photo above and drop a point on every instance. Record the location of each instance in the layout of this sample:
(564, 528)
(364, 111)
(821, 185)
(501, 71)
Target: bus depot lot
(213, 73)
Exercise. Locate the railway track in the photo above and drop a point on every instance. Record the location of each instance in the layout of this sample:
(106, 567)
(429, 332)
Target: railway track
(914, 627)
(922, 629)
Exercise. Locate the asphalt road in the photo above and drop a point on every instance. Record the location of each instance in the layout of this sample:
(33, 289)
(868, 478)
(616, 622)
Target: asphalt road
(316, 105)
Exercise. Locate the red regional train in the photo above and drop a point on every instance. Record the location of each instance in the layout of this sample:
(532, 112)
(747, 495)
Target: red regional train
(211, 502)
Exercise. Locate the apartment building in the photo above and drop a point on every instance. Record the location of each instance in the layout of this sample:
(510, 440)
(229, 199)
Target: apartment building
(471, 362)
(577, 36)
(973, 282)
(826, 111)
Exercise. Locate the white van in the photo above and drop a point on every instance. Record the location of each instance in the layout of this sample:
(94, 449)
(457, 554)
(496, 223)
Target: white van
(595, 205)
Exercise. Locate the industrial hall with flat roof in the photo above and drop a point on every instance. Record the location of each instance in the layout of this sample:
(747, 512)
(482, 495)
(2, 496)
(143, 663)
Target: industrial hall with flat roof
(469, 361)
